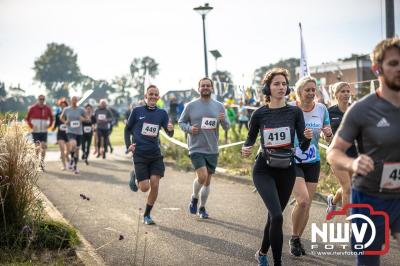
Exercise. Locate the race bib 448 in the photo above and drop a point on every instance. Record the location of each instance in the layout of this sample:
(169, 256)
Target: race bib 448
(208, 123)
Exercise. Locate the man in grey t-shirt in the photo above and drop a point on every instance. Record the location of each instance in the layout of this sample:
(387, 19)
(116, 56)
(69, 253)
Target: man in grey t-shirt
(72, 117)
(374, 123)
(201, 119)
(104, 118)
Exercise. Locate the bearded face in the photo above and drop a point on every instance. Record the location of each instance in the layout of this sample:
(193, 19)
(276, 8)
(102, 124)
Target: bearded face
(391, 69)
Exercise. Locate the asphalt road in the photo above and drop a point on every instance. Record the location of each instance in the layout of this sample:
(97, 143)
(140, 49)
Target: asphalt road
(230, 237)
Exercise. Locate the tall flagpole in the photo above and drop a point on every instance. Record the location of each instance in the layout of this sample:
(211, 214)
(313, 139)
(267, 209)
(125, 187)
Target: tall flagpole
(304, 70)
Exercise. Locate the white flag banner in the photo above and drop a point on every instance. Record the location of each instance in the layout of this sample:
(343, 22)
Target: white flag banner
(304, 71)
(325, 95)
(372, 87)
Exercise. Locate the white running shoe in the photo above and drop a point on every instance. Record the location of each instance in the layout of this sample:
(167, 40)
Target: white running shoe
(331, 206)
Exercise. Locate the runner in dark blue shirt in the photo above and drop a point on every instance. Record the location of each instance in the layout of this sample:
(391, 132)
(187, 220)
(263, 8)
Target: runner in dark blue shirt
(144, 123)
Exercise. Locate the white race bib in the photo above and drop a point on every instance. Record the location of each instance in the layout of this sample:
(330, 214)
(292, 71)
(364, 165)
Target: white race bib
(75, 124)
(308, 155)
(276, 137)
(87, 129)
(208, 123)
(150, 129)
(390, 176)
(63, 127)
(101, 117)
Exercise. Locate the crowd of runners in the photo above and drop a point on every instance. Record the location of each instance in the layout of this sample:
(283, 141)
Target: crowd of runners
(364, 151)
(76, 128)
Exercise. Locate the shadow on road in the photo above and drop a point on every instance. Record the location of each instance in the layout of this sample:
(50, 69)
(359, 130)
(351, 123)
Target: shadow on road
(212, 244)
(234, 227)
(87, 176)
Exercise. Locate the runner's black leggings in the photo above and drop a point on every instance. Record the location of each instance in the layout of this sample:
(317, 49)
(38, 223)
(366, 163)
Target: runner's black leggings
(86, 142)
(274, 186)
(105, 134)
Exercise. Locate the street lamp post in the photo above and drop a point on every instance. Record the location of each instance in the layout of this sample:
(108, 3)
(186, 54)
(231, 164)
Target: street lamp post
(203, 10)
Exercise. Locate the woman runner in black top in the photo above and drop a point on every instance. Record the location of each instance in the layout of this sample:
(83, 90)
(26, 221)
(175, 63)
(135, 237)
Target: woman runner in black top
(62, 134)
(276, 122)
(341, 92)
(88, 127)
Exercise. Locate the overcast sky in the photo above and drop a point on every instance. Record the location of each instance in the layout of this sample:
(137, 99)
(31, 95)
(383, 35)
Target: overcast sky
(108, 34)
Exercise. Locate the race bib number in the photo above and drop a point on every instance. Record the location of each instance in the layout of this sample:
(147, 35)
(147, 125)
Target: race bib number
(308, 155)
(75, 124)
(150, 129)
(391, 176)
(276, 137)
(101, 117)
(208, 123)
(87, 129)
(63, 127)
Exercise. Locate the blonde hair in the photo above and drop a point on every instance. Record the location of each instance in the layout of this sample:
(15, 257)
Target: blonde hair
(338, 86)
(378, 53)
(301, 83)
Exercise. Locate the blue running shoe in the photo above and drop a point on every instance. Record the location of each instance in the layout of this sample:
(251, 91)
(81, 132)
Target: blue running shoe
(132, 182)
(193, 206)
(147, 220)
(202, 213)
(261, 259)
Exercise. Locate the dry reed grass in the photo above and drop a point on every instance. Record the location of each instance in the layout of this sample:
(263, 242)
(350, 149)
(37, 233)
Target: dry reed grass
(19, 163)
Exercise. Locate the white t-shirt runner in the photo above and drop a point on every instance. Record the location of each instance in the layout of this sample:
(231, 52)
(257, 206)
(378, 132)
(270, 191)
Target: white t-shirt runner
(315, 119)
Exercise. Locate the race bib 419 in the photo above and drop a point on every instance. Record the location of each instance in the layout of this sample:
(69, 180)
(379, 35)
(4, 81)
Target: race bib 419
(276, 137)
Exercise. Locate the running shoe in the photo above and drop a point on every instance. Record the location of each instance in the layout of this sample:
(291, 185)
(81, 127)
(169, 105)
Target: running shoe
(331, 206)
(202, 213)
(86, 161)
(148, 221)
(76, 171)
(71, 164)
(193, 206)
(295, 247)
(132, 181)
(261, 259)
(303, 251)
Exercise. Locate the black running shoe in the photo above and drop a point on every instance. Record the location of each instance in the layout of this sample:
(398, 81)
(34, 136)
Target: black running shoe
(295, 247)
(303, 251)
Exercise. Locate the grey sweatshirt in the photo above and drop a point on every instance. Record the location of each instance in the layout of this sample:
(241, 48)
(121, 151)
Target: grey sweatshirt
(203, 113)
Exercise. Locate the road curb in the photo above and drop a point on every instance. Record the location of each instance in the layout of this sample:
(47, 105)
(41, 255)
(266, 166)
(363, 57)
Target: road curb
(84, 251)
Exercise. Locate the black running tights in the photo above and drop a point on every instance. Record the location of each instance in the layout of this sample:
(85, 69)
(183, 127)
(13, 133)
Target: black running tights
(275, 186)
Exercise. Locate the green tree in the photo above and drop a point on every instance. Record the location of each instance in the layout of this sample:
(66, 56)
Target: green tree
(223, 91)
(3, 96)
(121, 84)
(222, 76)
(57, 68)
(290, 64)
(140, 68)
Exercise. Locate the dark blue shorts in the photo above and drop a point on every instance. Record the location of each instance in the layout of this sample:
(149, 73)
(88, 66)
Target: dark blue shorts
(390, 206)
(77, 138)
(42, 137)
(201, 159)
(146, 166)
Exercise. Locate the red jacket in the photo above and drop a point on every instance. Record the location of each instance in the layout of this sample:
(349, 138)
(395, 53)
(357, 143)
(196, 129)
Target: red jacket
(38, 118)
